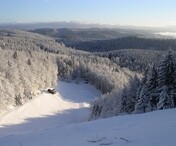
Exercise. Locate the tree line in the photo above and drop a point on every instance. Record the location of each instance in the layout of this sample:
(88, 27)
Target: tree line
(129, 42)
(156, 90)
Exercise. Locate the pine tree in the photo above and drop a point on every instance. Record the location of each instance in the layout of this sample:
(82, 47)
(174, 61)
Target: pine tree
(143, 81)
(166, 81)
(129, 95)
(158, 86)
(166, 71)
(146, 96)
(157, 90)
(143, 101)
(124, 99)
(152, 85)
(165, 101)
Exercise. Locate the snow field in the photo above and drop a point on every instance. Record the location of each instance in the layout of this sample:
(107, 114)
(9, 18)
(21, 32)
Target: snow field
(54, 120)
(47, 110)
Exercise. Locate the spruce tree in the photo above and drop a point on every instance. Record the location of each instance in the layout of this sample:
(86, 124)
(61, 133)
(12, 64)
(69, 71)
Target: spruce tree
(166, 71)
(152, 85)
(166, 81)
(129, 95)
(147, 97)
(158, 86)
(165, 101)
(143, 100)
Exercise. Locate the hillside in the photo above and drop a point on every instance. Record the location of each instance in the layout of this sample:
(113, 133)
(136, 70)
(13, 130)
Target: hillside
(77, 34)
(155, 128)
(104, 39)
(25, 41)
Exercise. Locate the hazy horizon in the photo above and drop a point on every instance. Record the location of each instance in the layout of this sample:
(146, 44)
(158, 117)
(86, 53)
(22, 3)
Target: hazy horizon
(158, 13)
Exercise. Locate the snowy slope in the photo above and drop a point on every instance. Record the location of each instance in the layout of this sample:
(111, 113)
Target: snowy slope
(46, 124)
(150, 129)
(47, 110)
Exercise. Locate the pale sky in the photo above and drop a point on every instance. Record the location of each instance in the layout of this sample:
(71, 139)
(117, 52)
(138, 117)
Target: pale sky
(120, 12)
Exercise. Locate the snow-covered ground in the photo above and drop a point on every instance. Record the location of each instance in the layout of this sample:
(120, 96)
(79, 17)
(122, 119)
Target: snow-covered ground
(70, 105)
(40, 123)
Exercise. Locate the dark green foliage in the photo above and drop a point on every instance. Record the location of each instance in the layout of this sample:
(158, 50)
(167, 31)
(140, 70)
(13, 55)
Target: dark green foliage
(129, 95)
(157, 90)
(166, 70)
(165, 99)
(18, 100)
(133, 59)
(129, 42)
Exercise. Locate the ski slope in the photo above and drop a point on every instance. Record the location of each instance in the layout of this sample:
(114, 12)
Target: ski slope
(70, 105)
(68, 125)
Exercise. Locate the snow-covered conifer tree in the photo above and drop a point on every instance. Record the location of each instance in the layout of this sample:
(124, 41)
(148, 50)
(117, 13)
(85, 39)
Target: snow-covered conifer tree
(166, 81)
(129, 95)
(165, 101)
(146, 95)
(166, 70)
(158, 90)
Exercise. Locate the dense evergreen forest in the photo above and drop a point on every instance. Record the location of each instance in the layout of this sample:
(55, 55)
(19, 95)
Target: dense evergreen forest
(130, 80)
(129, 42)
(33, 62)
(154, 91)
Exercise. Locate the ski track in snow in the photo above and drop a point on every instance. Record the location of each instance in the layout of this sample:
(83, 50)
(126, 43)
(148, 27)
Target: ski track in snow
(70, 105)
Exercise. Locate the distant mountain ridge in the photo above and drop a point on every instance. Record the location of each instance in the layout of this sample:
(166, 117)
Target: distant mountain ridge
(37, 25)
(106, 39)
(96, 33)
(77, 24)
